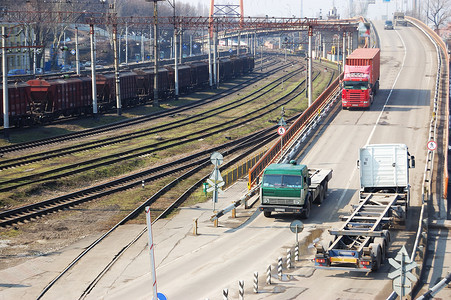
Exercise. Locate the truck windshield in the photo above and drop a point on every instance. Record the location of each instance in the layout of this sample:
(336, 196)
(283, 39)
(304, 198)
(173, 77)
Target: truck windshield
(291, 181)
(355, 85)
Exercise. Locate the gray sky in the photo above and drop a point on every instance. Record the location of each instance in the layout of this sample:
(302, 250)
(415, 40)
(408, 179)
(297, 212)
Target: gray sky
(311, 8)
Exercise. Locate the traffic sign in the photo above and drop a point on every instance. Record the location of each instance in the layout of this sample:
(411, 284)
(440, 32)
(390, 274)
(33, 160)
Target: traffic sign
(397, 273)
(282, 122)
(402, 288)
(216, 176)
(281, 130)
(72, 52)
(218, 184)
(432, 145)
(216, 158)
(160, 296)
(296, 226)
(402, 278)
(230, 50)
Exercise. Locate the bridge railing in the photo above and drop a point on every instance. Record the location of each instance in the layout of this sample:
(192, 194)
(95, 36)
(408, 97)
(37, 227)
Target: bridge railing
(292, 132)
(419, 251)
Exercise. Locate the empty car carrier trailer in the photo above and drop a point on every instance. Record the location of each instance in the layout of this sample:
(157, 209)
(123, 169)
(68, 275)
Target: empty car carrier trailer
(362, 242)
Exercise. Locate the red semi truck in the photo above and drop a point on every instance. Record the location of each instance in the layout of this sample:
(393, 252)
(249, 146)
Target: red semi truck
(361, 77)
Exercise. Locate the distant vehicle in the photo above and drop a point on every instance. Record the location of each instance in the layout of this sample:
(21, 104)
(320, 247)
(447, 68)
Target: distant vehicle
(398, 18)
(388, 24)
(17, 72)
(66, 69)
(38, 71)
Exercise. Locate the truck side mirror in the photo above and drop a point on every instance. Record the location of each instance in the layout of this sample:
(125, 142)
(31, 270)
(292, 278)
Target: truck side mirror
(412, 161)
(309, 181)
(358, 164)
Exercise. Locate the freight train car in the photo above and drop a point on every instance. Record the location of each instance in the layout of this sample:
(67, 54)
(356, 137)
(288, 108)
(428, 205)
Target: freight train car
(43, 100)
(18, 101)
(50, 99)
(184, 78)
(199, 74)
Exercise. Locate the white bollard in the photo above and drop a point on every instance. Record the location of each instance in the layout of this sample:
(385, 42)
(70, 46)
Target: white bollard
(296, 252)
(256, 282)
(225, 294)
(268, 275)
(241, 291)
(288, 258)
(279, 267)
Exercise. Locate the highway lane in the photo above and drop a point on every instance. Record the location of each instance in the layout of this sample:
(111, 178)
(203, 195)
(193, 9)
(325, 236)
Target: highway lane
(200, 267)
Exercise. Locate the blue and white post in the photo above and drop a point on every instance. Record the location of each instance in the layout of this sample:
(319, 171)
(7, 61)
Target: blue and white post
(152, 254)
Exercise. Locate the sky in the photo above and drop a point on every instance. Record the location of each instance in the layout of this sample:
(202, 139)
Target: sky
(311, 8)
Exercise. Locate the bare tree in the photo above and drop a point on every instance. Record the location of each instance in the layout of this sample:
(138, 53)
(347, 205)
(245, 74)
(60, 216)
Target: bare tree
(438, 12)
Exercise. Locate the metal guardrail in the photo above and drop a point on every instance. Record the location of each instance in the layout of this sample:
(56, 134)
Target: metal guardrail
(419, 251)
(436, 288)
(293, 131)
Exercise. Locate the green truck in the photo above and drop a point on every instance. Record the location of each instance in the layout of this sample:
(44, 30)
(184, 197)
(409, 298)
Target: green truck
(292, 188)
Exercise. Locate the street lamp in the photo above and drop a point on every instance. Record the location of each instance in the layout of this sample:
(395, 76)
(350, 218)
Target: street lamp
(155, 45)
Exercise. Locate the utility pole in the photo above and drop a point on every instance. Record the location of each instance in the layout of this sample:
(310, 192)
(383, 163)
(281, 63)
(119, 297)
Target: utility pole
(156, 51)
(116, 63)
(77, 55)
(310, 34)
(5, 86)
(93, 71)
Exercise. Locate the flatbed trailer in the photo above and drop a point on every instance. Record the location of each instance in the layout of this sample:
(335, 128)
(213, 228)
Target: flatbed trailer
(362, 242)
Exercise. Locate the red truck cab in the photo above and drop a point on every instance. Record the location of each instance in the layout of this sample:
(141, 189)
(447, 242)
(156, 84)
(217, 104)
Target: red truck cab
(361, 78)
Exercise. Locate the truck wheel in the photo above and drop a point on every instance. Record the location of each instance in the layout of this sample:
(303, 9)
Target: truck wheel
(307, 206)
(384, 247)
(321, 195)
(267, 214)
(376, 255)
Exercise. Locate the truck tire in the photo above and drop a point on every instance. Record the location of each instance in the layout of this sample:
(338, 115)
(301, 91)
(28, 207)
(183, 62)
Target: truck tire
(321, 195)
(376, 255)
(384, 247)
(305, 214)
(267, 214)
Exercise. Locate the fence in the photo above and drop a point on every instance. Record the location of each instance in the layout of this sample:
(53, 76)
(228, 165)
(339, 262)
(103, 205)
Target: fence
(292, 131)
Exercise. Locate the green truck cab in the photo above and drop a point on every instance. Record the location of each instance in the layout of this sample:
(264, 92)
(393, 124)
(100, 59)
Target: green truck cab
(292, 188)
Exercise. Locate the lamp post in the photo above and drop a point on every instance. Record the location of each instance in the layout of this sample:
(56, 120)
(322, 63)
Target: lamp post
(156, 50)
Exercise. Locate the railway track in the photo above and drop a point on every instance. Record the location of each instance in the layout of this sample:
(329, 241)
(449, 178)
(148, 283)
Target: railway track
(193, 162)
(38, 209)
(138, 120)
(57, 173)
(27, 159)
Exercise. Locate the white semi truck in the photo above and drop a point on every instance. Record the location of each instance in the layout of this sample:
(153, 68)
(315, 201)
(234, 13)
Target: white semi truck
(362, 242)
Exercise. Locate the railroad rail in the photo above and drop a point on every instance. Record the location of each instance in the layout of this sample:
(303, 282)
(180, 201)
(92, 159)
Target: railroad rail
(251, 146)
(147, 149)
(58, 203)
(134, 121)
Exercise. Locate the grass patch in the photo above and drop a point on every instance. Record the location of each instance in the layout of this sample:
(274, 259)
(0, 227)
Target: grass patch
(10, 233)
